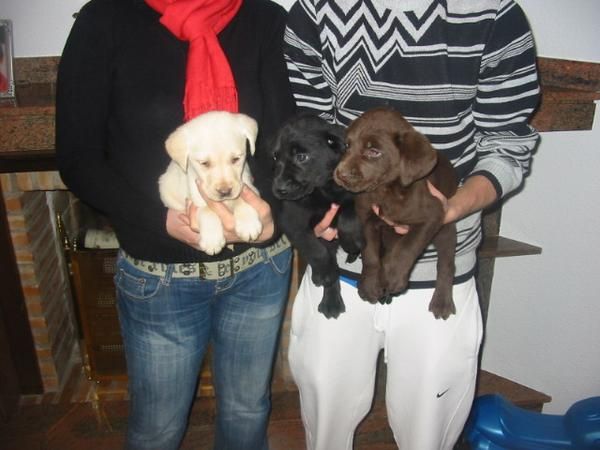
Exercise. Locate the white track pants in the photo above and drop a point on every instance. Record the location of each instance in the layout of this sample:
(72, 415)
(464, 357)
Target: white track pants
(431, 366)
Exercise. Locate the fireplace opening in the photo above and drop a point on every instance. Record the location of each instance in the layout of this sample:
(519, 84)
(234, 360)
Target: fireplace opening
(91, 249)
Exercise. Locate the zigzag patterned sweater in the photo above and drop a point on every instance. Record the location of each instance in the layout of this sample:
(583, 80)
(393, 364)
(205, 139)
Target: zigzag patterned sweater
(463, 72)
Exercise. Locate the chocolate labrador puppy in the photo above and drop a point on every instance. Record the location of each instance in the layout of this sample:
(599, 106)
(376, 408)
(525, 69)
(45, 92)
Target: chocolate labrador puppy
(388, 163)
(306, 151)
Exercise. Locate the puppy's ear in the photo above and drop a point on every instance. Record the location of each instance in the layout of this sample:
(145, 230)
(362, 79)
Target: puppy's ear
(249, 128)
(417, 157)
(178, 148)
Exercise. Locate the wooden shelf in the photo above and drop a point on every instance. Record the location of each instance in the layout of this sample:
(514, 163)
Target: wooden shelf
(569, 90)
(522, 396)
(565, 110)
(499, 247)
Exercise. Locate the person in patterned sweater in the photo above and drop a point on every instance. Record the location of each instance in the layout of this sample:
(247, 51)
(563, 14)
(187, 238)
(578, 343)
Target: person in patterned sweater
(463, 73)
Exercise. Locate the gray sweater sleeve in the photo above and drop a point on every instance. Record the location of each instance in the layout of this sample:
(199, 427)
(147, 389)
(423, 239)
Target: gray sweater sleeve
(507, 95)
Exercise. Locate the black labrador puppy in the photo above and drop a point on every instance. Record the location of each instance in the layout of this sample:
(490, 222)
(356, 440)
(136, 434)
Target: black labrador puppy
(306, 151)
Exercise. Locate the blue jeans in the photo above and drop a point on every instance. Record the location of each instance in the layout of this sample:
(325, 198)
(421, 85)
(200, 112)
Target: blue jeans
(167, 324)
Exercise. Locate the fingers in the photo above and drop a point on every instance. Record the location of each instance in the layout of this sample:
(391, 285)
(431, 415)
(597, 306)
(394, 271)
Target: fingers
(401, 229)
(398, 228)
(323, 229)
(253, 199)
(257, 202)
(190, 218)
(228, 219)
(377, 212)
(178, 227)
(329, 234)
(437, 194)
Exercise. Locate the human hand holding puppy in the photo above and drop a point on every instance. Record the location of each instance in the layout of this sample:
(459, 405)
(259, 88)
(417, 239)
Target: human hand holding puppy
(476, 194)
(324, 230)
(183, 225)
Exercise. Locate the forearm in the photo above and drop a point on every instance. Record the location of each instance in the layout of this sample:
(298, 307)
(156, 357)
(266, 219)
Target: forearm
(475, 194)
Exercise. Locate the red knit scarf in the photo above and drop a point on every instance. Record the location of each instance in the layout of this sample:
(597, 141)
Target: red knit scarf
(209, 82)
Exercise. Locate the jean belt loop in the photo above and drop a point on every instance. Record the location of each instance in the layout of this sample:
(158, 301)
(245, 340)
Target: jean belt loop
(264, 255)
(168, 274)
(232, 266)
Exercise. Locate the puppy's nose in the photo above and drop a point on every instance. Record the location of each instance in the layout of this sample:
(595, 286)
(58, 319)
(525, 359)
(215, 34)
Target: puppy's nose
(342, 176)
(346, 178)
(339, 175)
(281, 190)
(224, 191)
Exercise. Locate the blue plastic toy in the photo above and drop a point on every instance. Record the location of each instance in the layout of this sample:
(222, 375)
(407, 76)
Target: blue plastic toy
(497, 424)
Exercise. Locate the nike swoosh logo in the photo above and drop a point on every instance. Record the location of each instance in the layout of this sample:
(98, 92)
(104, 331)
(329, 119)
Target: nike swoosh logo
(441, 394)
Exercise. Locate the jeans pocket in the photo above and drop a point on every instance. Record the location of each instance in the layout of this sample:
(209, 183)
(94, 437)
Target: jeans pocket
(135, 284)
(281, 263)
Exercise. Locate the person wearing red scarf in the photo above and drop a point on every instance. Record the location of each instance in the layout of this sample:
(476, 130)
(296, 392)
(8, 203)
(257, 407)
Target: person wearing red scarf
(131, 72)
(209, 82)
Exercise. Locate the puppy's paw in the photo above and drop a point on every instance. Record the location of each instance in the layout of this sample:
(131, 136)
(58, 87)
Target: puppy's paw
(394, 282)
(351, 257)
(442, 305)
(386, 299)
(370, 289)
(247, 223)
(332, 305)
(211, 243)
(212, 239)
(249, 227)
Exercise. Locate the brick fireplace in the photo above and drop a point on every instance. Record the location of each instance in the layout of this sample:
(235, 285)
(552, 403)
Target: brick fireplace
(32, 200)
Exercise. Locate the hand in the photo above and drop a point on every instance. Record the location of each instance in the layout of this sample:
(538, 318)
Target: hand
(179, 227)
(323, 229)
(403, 229)
(398, 228)
(228, 220)
(443, 199)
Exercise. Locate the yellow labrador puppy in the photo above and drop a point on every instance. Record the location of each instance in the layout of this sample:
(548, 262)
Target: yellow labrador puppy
(211, 149)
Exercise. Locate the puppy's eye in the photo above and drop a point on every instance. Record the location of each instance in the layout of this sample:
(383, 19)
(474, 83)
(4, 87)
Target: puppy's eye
(301, 157)
(275, 156)
(205, 164)
(371, 152)
(330, 141)
(235, 159)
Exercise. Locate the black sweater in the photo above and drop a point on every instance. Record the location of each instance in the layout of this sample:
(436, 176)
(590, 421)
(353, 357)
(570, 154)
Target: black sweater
(120, 88)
